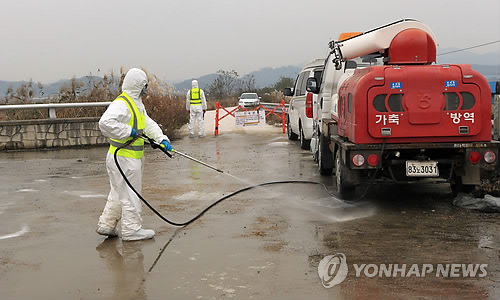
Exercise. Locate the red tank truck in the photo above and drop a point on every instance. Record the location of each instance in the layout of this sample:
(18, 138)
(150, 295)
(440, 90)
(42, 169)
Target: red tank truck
(401, 117)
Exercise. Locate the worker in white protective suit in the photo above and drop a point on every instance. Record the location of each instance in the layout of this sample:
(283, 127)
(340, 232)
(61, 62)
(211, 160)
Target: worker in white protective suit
(196, 105)
(124, 120)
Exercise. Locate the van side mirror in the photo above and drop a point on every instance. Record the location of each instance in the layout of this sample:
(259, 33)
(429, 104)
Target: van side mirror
(288, 92)
(312, 85)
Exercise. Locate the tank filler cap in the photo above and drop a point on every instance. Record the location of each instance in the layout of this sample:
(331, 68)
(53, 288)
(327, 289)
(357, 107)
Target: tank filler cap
(412, 46)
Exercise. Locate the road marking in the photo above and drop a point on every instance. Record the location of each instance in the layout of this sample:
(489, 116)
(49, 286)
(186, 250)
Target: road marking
(24, 230)
(27, 190)
(93, 196)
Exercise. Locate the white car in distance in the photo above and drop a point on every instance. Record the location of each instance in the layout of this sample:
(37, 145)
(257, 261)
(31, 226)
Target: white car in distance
(249, 100)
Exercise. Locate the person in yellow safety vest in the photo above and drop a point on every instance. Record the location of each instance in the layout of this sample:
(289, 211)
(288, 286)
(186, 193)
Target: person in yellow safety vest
(126, 119)
(196, 105)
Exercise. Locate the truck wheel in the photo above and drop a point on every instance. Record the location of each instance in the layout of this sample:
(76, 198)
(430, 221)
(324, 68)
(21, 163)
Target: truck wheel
(291, 136)
(344, 189)
(325, 157)
(304, 144)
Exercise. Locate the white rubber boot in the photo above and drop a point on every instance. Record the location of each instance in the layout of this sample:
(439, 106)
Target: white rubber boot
(141, 234)
(111, 232)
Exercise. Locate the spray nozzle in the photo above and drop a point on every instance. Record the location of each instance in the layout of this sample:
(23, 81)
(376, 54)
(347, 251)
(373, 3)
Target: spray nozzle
(155, 145)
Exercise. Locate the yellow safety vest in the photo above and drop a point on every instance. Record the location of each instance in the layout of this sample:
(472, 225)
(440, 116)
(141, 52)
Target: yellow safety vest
(195, 96)
(138, 122)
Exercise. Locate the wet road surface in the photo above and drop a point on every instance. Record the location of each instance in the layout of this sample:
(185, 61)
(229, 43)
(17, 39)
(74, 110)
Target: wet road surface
(262, 244)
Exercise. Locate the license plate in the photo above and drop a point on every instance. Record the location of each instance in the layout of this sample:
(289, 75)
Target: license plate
(415, 168)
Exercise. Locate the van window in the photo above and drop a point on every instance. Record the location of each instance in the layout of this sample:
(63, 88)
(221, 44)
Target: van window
(304, 83)
(295, 86)
(317, 75)
(300, 86)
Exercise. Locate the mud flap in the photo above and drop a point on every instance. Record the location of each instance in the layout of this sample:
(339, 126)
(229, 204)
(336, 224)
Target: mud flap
(350, 177)
(472, 175)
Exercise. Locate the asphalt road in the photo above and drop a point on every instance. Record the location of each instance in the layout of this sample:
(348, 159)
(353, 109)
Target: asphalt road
(265, 243)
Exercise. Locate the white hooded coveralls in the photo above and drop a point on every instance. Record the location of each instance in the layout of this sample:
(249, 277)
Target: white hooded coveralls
(196, 111)
(122, 202)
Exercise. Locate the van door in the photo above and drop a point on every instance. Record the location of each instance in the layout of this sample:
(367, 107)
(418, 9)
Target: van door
(298, 101)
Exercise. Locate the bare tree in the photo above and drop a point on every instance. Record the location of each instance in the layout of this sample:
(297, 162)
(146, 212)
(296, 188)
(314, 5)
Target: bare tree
(40, 89)
(283, 83)
(247, 84)
(9, 94)
(70, 92)
(23, 92)
(227, 84)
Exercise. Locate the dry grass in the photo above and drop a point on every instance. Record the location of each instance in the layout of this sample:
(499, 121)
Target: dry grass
(168, 111)
(228, 102)
(162, 105)
(23, 114)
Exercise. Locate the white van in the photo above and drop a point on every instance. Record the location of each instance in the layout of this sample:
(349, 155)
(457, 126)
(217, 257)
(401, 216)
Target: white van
(300, 109)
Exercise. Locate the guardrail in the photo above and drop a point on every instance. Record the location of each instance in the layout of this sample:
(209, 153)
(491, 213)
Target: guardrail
(270, 105)
(53, 106)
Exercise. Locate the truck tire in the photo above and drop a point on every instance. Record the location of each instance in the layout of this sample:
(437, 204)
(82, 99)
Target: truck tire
(344, 188)
(325, 157)
(304, 144)
(291, 136)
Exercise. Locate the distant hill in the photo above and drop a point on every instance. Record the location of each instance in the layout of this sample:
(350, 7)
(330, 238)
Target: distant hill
(263, 78)
(448, 56)
(203, 82)
(48, 89)
(487, 64)
(268, 76)
(492, 73)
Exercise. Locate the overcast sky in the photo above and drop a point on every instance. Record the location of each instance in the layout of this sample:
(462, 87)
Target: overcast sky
(48, 40)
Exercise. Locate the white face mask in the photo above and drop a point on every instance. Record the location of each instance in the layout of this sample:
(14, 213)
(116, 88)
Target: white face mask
(144, 91)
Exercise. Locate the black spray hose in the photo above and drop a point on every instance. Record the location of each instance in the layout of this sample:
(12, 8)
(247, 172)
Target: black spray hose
(211, 205)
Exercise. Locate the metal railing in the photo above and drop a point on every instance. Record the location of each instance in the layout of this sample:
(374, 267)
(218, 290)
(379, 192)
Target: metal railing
(272, 105)
(53, 106)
